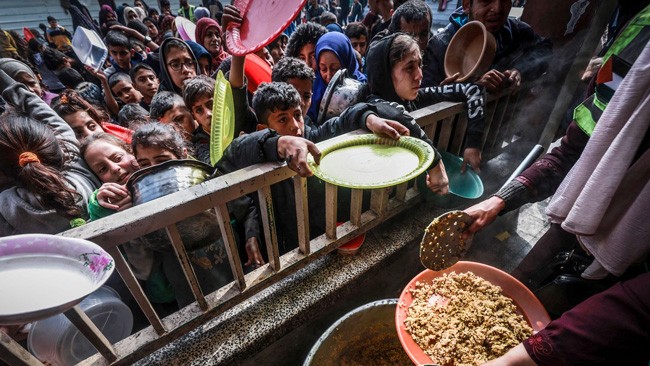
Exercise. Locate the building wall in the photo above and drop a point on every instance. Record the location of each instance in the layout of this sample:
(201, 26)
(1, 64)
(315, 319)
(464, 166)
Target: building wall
(16, 14)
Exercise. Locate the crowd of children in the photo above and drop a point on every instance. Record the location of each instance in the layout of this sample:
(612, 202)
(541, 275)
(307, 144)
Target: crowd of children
(70, 143)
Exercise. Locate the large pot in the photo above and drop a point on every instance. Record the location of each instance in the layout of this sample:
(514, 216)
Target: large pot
(364, 336)
(169, 177)
(341, 92)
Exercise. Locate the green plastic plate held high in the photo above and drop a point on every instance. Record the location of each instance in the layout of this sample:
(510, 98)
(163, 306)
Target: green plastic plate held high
(370, 161)
(222, 128)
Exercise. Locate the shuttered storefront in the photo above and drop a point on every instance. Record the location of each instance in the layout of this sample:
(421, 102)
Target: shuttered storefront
(16, 14)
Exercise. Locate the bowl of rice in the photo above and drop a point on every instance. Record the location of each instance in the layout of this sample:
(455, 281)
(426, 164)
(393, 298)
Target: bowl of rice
(467, 314)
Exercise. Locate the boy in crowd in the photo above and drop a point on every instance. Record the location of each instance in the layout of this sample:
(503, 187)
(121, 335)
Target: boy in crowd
(122, 87)
(132, 116)
(278, 109)
(120, 52)
(57, 35)
(358, 35)
(198, 94)
(146, 82)
(296, 73)
(168, 107)
(302, 43)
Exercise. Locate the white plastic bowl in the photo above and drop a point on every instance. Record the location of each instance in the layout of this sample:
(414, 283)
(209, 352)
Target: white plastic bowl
(57, 341)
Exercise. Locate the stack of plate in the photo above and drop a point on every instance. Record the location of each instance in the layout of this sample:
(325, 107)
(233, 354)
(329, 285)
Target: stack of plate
(57, 341)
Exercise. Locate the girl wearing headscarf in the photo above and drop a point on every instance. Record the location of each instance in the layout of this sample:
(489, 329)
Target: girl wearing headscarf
(177, 64)
(130, 14)
(203, 58)
(394, 78)
(333, 52)
(141, 4)
(22, 73)
(107, 17)
(165, 29)
(209, 35)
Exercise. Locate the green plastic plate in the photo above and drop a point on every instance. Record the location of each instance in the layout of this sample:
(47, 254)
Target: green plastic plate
(222, 128)
(370, 161)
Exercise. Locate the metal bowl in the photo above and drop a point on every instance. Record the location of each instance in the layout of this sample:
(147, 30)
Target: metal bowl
(169, 177)
(341, 92)
(364, 336)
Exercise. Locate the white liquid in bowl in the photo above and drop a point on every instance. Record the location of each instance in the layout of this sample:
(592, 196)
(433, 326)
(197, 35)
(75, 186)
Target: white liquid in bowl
(35, 282)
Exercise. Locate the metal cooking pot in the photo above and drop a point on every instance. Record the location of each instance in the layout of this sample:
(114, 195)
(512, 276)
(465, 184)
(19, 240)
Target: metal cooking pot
(169, 177)
(364, 336)
(341, 92)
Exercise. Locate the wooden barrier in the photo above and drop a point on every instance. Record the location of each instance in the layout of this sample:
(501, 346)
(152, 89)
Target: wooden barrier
(444, 123)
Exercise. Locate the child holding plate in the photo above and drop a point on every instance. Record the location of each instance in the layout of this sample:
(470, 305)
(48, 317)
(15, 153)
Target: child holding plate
(394, 78)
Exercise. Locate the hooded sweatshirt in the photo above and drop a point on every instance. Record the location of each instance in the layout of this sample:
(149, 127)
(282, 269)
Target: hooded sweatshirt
(340, 44)
(14, 67)
(202, 27)
(518, 47)
(165, 78)
(383, 94)
(200, 51)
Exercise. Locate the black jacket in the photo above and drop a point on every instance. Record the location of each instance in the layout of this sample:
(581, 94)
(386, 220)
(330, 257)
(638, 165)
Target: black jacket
(385, 99)
(261, 146)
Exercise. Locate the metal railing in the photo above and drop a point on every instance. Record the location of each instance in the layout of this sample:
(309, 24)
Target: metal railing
(445, 123)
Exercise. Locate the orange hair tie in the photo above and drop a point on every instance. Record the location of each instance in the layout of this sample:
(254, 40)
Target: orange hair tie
(26, 158)
(64, 99)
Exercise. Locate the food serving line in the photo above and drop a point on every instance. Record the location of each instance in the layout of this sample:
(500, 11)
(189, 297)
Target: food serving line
(372, 163)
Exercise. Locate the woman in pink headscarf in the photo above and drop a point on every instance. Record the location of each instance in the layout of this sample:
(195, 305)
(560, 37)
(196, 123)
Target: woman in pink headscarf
(208, 34)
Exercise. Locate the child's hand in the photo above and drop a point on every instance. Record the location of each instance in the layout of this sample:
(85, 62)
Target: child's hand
(255, 258)
(513, 79)
(437, 180)
(451, 79)
(114, 196)
(99, 74)
(294, 151)
(492, 81)
(386, 127)
(230, 15)
(471, 156)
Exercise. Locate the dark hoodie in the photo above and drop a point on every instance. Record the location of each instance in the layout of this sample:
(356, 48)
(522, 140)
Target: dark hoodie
(391, 106)
(200, 51)
(517, 47)
(166, 80)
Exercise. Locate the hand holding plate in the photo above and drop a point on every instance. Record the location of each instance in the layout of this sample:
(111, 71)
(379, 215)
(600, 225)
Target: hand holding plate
(386, 127)
(294, 151)
(450, 80)
(231, 17)
(114, 196)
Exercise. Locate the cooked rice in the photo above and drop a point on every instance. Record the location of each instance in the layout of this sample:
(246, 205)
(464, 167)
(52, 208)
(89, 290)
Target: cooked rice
(477, 323)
